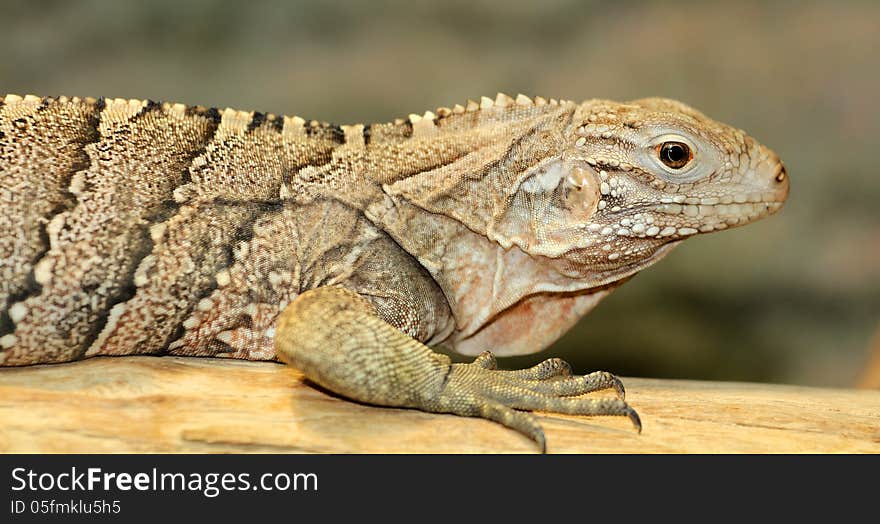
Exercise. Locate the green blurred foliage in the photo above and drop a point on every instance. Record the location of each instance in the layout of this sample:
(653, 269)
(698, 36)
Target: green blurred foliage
(793, 298)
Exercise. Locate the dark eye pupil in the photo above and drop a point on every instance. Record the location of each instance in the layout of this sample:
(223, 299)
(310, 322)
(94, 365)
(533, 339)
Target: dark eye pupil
(675, 154)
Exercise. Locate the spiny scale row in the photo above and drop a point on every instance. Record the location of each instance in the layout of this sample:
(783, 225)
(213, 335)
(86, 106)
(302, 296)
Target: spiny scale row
(501, 100)
(232, 117)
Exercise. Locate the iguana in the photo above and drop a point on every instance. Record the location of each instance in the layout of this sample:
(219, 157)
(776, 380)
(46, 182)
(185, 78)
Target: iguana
(136, 227)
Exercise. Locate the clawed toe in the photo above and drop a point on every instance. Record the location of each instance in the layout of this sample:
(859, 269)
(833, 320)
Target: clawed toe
(486, 360)
(619, 389)
(634, 418)
(567, 385)
(505, 396)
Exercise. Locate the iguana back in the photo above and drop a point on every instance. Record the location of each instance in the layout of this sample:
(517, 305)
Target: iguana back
(122, 217)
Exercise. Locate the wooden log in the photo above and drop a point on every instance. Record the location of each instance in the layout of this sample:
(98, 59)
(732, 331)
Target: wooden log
(170, 404)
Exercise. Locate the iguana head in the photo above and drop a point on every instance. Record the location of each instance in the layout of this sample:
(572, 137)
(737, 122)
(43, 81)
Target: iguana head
(633, 178)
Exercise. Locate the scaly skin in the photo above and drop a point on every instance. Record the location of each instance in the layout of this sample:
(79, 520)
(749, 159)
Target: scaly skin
(143, 228)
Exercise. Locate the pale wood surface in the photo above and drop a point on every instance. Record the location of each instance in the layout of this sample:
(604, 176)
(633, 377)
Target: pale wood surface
(169, 404)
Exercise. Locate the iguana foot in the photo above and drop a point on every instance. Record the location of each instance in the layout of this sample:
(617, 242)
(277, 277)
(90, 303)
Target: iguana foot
(336, 338)
(479, 389)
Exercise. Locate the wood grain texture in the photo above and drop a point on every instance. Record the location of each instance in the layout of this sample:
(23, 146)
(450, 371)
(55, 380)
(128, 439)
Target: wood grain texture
(172, 404)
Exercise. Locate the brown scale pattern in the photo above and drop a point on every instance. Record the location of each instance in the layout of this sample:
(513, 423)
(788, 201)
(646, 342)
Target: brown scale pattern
(263, 276)
(142, 154)
(36, 136)
(190, 249)
(244, 162)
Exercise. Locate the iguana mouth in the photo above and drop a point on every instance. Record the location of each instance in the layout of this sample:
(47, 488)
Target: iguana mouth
(678, 206)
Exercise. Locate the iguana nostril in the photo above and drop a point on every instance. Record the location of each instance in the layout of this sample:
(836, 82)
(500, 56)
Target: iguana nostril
(780, 173)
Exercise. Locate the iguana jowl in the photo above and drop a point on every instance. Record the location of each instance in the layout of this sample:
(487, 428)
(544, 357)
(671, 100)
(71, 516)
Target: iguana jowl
(133, 227)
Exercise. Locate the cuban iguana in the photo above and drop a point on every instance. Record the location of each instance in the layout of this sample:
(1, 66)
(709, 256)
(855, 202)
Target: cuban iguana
(136, 227)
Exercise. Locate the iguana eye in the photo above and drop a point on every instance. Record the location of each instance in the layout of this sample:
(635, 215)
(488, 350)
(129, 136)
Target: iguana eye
(675, 155)
(678, 157)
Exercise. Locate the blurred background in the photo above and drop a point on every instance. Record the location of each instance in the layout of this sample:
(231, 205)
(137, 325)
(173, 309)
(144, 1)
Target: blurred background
(794, 298)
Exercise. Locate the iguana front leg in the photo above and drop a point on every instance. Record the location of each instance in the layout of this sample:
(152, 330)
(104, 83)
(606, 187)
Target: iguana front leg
(338, 340)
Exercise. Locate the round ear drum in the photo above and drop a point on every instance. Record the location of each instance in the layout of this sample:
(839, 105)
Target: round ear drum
(581, 191)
